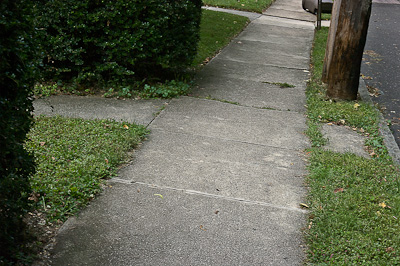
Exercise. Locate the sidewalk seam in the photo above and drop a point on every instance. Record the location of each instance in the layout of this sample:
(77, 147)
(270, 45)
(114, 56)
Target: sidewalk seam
(208, 195)
(159, 113)
(288, 18)
(238, 141)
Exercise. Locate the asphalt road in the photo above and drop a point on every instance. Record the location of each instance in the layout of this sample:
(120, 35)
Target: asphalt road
(381, 62)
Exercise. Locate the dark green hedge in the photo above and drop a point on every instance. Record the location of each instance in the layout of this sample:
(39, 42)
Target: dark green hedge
(115, 40)
(16, 81)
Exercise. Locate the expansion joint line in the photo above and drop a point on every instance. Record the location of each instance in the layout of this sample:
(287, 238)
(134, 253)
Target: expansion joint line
(204, 194)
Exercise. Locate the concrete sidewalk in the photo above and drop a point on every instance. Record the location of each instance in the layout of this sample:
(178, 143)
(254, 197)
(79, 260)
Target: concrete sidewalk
(216, 183)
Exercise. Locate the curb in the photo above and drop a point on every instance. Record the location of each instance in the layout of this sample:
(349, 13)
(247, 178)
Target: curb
(388, 138)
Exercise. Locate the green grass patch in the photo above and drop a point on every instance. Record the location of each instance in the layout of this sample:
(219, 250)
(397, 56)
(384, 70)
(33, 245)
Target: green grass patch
(326, 16)
(73, 158)
(247, 5)
(354, 201)
(217, 29)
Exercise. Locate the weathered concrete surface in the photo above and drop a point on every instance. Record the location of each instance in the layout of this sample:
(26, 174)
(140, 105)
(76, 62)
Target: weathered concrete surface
(290, 9)
(248, 171)
(237, 52)
(283, 22)
(231, 122)
(89, 107)
(216, 183)
(343, 139)
(282, 13)
(256, 72)
(131, 225)
(251, 93)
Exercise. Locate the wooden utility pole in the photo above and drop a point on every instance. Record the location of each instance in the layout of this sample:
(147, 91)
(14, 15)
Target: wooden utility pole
(346, 41)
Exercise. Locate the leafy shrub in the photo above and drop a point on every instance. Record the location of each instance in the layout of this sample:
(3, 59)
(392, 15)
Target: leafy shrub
(16, 83)
(93, 41)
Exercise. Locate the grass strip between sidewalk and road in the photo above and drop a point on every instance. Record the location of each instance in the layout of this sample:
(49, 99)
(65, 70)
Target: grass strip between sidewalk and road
(246, 5)
(73, 157)
(354, 201)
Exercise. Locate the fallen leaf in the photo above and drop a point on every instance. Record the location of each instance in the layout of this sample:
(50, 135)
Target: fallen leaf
(216, 212)
(303, 205)
(338, 190)
(389, 249)
(126, 127)
(34, 197)
(356, 105)
(382, 204)
(161, 196)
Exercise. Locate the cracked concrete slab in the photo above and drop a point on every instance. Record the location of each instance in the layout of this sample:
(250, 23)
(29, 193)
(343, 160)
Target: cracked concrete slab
(250, 93)
(178, 229)
(265, 30)
(91, 107)
(262, 54)
(249, 171)
(256, 72)
(232, 122)
(284, 22)
(344, 139)
(297, 15)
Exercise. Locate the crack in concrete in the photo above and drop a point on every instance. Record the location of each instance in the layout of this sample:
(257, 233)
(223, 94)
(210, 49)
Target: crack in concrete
(209, 195)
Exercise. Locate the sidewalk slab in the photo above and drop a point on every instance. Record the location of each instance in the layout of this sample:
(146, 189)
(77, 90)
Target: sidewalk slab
(270, 46)
(92, 107)
(256, 72)
(129, 224)
(264, 30)
(284, 22)
(231, 122)
(343, 139)
(287, 41)
(250, 93)
(282, 13)
(251, 52)
(220, 167)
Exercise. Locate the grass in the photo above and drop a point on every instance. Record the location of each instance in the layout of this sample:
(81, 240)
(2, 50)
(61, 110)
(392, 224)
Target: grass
(247, 5)
(73, 158)
(217, 29)
(354, 202)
